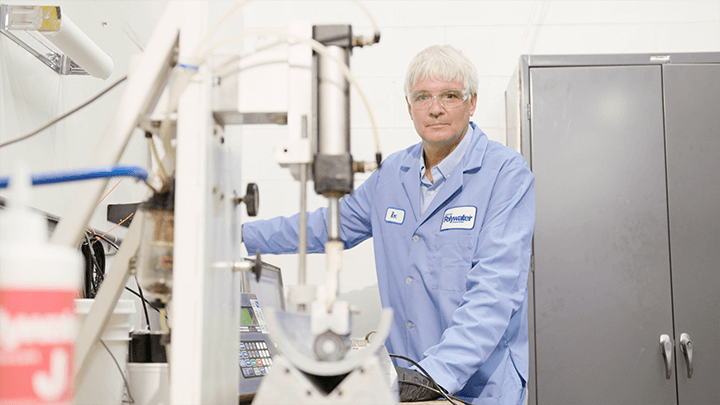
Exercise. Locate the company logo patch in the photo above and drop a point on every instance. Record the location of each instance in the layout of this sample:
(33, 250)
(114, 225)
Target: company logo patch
(395, 216)
(459, 218)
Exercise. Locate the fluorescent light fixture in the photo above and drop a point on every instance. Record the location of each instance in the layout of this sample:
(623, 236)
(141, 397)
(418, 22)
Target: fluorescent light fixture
(82, 55)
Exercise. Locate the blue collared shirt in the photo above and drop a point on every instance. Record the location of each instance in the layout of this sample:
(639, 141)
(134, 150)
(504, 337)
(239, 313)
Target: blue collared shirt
(440, 172)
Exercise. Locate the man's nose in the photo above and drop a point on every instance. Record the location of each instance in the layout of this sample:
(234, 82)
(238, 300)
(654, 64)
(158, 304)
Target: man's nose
(435, 108)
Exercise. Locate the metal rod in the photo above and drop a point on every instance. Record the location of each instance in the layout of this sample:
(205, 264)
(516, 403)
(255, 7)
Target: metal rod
(333, 218)
(302, 231)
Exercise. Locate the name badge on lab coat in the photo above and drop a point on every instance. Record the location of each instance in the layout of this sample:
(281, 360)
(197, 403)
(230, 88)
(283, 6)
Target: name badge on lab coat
(395, 216)
(459, 218)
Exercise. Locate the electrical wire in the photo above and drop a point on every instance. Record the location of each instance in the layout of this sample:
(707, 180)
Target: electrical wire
(99, 260)
(94, 266)
(88, 291)
(111, 190)
(119, 223)
(427, 375)
(144, 301)
(106, 240)
(62, 117)
(95, 271)
(127, 386)
(435, 390)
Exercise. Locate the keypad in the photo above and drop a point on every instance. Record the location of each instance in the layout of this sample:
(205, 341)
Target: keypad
(254, 358)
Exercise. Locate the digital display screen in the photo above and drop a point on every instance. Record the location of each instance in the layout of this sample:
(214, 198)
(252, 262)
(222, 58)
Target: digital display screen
(247, 317)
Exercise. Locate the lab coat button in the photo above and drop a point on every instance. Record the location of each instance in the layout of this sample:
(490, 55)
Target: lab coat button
(410, 325)
(416, 238)
(409, 280)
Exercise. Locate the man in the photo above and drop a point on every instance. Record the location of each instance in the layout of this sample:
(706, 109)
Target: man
(451, 220)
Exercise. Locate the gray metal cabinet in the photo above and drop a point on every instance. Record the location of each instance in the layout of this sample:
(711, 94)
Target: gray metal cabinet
(626, 155)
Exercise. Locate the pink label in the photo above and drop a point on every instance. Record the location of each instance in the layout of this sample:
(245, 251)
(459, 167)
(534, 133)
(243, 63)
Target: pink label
(37, 332)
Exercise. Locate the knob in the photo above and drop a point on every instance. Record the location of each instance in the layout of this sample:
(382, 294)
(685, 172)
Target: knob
(251, 199)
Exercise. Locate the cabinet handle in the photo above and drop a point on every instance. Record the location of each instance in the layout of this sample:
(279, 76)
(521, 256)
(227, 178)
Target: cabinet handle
(686, 347)
(666, 347)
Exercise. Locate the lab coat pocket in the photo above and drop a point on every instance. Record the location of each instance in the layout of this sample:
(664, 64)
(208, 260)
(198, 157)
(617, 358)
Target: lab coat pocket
(450, 265)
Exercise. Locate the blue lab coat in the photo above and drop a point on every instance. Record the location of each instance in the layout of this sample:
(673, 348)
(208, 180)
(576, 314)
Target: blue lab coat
(455, 276)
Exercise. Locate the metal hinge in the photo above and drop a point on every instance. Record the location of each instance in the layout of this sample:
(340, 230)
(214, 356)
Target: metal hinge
(532, 263)
(528, 111)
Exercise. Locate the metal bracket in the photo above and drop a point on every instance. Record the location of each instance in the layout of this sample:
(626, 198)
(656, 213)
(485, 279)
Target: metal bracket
(21, 18)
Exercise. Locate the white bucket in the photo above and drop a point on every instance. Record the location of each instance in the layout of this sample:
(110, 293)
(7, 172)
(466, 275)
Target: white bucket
(149, 383)
(101, 382)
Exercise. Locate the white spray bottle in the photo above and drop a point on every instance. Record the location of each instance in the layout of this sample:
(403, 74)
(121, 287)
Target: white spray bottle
(38, 284)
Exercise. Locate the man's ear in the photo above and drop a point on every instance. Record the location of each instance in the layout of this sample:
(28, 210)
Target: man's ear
(473, 104)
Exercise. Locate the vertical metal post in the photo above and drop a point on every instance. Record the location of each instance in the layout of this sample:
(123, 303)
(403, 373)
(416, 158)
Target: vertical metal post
(302, 231)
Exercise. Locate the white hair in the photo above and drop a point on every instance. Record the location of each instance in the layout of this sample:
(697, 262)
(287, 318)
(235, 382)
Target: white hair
(442, 62)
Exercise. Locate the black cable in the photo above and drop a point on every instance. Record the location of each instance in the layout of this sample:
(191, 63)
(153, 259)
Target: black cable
(99, 272)
(99, 261)
(427, 375)
(94, 266)
(127, 386)
(437, 391)
(106, 239)
(99, 254)
(60, 118)
(144, 302)
(88, 291)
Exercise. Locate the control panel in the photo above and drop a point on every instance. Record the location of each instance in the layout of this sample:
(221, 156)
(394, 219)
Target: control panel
(256, 351)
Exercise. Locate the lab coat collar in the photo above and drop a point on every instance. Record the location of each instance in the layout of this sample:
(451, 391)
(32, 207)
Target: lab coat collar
(410, 167)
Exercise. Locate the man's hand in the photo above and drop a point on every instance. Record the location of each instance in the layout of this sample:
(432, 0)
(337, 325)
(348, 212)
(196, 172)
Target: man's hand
(409, 392)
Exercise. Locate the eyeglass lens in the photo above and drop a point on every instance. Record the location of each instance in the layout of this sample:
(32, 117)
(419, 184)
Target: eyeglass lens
(447, 98)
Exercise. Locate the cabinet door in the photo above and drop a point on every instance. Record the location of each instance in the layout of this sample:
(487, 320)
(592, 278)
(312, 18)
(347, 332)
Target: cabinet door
(602, 278)
(692, 122)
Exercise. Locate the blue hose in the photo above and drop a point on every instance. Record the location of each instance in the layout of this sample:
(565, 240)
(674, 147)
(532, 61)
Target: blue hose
(83, 174)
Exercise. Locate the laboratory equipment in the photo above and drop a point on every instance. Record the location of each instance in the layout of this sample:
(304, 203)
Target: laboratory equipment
(256, 351)
(315, 361)
(155, 258)
(266, 283)
(179, 93)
